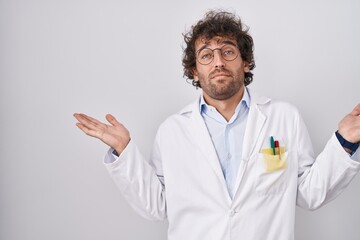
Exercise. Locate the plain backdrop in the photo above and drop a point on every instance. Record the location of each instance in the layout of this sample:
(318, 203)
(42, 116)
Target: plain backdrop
(124, 58)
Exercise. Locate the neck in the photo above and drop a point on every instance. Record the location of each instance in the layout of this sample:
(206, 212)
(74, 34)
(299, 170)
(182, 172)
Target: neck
(225, 107)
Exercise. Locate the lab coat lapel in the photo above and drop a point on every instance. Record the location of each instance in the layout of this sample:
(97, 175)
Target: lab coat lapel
(202, 139)
(255, 124)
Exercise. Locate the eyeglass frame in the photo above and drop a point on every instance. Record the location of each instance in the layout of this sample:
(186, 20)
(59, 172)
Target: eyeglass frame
(213, 54)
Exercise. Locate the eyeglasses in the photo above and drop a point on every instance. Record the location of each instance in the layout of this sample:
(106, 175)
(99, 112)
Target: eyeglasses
(206, 56)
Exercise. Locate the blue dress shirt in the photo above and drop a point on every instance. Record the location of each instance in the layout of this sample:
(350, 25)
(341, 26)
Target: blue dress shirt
(227, 137)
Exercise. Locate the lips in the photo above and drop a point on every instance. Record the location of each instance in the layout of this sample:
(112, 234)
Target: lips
(219, 74)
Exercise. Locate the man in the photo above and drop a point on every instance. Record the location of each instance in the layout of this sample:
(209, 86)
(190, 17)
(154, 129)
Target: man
(233, 165)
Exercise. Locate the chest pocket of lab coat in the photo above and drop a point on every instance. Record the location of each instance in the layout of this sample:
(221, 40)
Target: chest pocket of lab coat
(272, 173)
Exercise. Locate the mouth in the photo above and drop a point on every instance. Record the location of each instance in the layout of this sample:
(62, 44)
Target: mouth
(220, 75)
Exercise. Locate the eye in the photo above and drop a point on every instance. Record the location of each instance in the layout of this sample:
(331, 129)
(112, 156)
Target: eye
(228, 52)
(206, 56)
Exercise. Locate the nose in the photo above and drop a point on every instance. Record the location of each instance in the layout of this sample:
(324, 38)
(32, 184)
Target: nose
(219, 61)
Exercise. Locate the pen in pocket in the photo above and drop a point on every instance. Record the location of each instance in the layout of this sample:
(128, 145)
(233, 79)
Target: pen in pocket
(277, 145)
(272, 144)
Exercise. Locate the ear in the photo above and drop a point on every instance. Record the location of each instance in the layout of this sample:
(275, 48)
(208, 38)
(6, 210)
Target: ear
(246, 67)
(195, 74)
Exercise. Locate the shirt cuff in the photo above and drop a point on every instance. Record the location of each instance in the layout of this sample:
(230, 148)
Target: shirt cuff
(112, 156)
(346, 144)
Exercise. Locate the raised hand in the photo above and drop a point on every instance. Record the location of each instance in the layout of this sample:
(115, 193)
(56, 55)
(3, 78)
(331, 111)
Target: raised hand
(114, 135)
(349, 126)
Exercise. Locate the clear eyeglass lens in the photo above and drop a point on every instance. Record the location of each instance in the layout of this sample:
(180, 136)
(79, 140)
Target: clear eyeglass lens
(228, 52)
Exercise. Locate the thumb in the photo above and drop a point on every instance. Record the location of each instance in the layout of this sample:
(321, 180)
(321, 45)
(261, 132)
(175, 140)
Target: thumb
(356, 110)
(111, 119)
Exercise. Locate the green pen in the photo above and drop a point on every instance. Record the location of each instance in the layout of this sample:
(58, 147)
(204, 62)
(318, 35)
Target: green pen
(272, 144)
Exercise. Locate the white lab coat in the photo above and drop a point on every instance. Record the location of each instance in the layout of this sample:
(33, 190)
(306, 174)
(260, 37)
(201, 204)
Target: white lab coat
(183, 181)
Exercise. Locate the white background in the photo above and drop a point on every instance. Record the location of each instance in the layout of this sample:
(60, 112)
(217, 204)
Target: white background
(124, 58)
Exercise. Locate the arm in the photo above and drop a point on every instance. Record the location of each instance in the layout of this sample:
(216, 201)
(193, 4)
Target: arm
(323, 179)
(140, 182)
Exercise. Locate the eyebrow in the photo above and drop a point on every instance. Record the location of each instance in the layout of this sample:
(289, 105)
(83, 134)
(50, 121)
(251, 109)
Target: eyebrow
(230, 43)
(224, 42)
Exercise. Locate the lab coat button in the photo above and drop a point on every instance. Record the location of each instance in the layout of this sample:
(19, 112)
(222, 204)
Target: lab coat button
(232, 213)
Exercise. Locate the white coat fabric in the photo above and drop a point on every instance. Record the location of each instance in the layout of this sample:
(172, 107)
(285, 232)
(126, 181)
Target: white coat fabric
(183, 181)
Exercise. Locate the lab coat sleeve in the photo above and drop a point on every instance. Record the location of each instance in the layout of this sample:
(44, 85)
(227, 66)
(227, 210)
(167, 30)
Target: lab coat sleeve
(356, 155)
(140, 183)
(322, 179)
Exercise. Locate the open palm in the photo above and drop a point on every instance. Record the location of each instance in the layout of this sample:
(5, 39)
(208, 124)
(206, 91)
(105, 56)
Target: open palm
(114, 135)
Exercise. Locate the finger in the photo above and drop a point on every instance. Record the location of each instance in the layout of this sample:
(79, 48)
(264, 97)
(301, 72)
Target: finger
(82, 127)
(86, 121)
(356, 111)
(84, 116)
(111, 119)
(80, 116)
(76, 115)
(86, 130)
(95, 121)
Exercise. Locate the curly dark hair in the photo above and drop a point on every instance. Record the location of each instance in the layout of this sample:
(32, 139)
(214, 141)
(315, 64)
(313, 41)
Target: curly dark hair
(222, 24)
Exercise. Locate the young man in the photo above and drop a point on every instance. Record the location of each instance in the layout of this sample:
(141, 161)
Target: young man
(233, 165)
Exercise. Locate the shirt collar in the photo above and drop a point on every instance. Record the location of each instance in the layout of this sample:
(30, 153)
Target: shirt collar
(243, 104)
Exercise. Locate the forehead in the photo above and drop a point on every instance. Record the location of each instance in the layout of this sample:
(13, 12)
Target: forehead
(215, 41)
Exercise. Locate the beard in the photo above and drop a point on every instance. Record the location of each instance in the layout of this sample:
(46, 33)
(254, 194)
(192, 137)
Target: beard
(225, 87)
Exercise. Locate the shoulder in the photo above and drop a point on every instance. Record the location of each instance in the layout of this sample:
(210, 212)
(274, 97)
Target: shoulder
(182, 117)
(279, 106)
(272, 106)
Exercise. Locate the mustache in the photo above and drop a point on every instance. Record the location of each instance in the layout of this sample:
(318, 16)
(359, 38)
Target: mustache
(217, 71)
